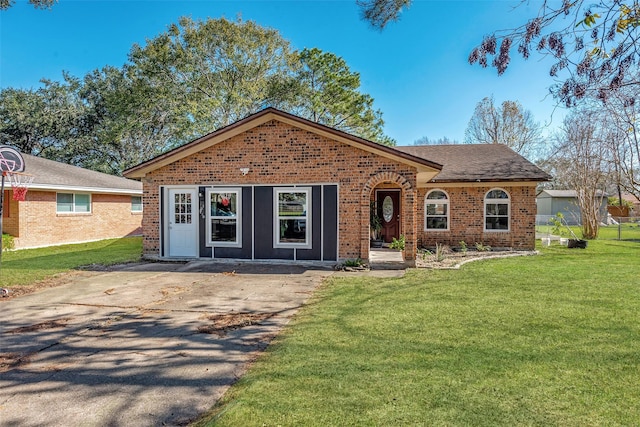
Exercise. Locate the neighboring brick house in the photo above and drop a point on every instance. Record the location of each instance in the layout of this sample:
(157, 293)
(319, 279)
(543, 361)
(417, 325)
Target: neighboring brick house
(276, 186)
(68, 204)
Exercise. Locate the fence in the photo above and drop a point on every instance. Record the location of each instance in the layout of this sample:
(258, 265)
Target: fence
(614, 228)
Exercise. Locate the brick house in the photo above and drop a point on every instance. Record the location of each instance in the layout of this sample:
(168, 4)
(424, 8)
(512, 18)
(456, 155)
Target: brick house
(276, 186)
(68, 204)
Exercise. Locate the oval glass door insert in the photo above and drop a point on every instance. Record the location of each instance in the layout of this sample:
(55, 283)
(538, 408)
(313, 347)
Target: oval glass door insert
(387, 209)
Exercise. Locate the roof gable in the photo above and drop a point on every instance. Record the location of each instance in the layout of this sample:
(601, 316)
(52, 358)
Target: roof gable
(424, 166)
(478, 163)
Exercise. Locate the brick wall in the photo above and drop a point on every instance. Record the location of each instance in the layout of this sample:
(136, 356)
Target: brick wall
(38, 224)
(466, 205)
(277, 153)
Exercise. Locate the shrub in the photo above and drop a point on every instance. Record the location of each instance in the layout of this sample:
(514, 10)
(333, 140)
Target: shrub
(482, 248)
(7, 242)
(397, 243)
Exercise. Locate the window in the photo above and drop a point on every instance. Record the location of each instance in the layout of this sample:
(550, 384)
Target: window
(136, 203)
(292, 217)
(224, 216)
(436, 211)
(496, 211)
(182, 212)
(73, 203)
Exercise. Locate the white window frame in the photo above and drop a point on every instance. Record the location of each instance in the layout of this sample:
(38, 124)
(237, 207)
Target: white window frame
(276, 218)
(217, 190)
(446, 202)
(488, 201)
(74, 211)
(132, 205)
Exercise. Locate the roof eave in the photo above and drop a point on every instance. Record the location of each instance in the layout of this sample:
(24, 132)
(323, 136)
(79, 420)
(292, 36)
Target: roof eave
(88, 189)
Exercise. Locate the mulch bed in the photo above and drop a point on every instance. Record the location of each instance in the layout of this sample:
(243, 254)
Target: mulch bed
(453, 260)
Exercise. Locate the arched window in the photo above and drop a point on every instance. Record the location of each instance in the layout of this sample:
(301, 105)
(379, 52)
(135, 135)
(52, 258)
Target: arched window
(496, 210)
(436, 211)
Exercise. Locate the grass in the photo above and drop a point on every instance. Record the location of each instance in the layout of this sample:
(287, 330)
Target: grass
(547, 340)
(25, 267)
(628, 231)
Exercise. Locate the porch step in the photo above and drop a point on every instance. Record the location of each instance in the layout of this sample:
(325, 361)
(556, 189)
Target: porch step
(386, 259)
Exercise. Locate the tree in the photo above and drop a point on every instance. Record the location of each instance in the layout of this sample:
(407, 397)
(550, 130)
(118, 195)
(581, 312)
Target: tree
(625, 141)
(509, 124)
(191, 80)
(126, 129)
(208, 74)
(583, 146)
(40, 122)
(380, 12)
(440, 141)
(595, 47)
(38, 4)
(328, 92)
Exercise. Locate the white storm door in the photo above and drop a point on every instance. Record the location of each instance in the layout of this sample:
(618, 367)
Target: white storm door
(183, 217)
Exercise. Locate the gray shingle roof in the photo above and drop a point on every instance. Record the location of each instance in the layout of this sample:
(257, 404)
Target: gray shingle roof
(478, 162)
(565, 193)
(559, 193)
(51, 175)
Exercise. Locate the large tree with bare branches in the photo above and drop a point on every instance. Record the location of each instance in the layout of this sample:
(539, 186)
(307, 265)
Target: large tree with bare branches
(583, 145)
(509, 124)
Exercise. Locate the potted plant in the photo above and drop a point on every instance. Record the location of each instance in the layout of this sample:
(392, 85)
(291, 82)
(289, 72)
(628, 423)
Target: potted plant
(375, 223)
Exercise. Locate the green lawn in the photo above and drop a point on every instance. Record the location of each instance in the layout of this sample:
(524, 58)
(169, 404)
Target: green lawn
(628, 231)
(25, 267)
(546, 340)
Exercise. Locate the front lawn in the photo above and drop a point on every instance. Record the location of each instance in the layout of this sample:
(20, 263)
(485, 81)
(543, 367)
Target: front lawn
(546, 340)
(27, 266)
(624, 231)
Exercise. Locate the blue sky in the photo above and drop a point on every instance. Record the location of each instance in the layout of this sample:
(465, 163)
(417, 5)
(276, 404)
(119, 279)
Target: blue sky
(415, 69)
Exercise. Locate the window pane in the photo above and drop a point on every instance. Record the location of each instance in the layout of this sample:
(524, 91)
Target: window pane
(437, 195)
(64, 202)
(387, 209)
(136, 203)
(223, 230)
(82, 203)
(497, 223)
(293, 230)
(292, 204)
(224, 204)
(500, 209)
(497, 194)
(437, 209)
(437, 223)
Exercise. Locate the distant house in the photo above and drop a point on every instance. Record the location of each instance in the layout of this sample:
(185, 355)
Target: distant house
(550, 202)
(635, 204)
(277, 186)
(68, 204)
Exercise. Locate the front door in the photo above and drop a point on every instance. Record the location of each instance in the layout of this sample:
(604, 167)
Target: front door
(183, 220)
(389, 211)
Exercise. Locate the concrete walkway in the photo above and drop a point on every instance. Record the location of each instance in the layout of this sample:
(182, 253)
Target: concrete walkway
(147, 345)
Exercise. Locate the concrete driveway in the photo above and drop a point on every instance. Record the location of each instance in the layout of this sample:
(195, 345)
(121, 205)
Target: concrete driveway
(148, 344)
